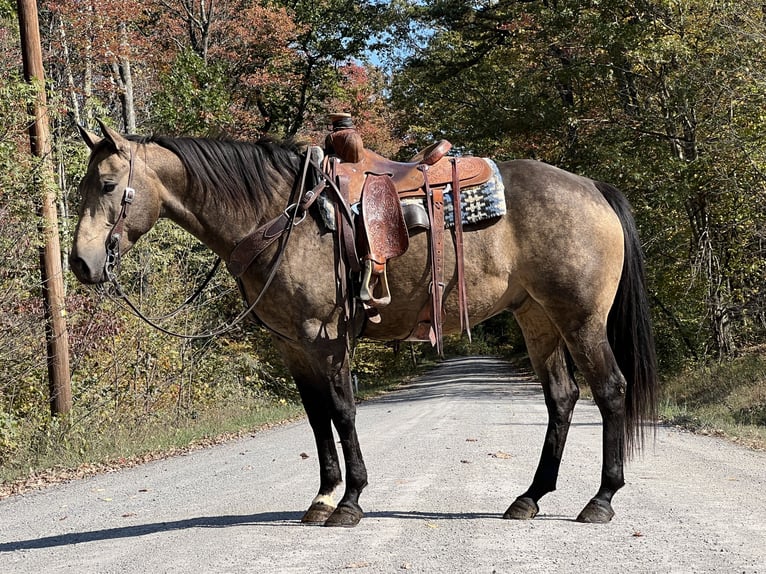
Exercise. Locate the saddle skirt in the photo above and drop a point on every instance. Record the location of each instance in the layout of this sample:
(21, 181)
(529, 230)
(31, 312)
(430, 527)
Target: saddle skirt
(478, 203)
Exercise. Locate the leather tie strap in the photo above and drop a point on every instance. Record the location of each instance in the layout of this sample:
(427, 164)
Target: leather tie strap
(435, 201)
(346, 226)
(459, 262)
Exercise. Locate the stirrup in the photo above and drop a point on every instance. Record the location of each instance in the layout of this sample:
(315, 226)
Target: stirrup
(366, 293)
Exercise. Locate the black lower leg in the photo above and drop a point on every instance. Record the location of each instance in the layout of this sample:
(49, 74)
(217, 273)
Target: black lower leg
(317, 410)
(610, 398)
(348, 513)
(561, 394)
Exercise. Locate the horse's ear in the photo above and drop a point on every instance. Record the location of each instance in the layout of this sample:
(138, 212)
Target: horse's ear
(113, 137)
(88, 137)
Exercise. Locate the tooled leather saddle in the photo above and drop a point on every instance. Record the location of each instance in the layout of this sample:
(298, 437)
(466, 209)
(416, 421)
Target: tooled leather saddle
(374, 187)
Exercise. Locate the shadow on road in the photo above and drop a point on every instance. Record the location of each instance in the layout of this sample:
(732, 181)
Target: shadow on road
(262, 519)
(146, 529)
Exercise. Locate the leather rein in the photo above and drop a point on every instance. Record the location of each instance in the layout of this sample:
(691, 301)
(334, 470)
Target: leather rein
(255, 244)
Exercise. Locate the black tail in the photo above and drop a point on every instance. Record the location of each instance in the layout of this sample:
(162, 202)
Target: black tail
(629, 328)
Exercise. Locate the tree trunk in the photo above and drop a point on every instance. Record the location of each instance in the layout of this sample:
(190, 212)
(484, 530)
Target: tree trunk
(124, 80)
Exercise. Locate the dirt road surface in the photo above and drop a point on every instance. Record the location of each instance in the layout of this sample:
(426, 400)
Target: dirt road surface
(446, 456)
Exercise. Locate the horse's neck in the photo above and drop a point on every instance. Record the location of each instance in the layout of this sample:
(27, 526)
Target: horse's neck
(217, 224)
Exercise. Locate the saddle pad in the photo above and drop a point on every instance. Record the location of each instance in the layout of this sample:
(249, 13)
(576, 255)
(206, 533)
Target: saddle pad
(477, 203)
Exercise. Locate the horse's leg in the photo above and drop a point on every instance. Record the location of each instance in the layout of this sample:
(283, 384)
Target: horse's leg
(316, 403)
(348, 513)
(547, 353)
(324, 382)
(593, 356)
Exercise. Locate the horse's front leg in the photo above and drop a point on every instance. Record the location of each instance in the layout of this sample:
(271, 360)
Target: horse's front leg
(324, 384)
(348, 513)
(317, 407)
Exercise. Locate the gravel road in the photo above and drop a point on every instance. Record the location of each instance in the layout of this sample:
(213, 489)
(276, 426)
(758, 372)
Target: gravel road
(445, 456)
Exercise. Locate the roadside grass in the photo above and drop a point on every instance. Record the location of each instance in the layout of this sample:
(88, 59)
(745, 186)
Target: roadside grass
(84, 444)
(64, 448)
(726, 399)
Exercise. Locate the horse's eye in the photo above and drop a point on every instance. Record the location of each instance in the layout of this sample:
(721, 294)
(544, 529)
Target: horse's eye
(109, 187)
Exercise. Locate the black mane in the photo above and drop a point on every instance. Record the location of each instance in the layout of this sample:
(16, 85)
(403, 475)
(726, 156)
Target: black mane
(241, 173)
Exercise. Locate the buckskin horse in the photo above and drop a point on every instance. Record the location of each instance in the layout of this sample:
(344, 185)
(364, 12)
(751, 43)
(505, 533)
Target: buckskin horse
(565, 259)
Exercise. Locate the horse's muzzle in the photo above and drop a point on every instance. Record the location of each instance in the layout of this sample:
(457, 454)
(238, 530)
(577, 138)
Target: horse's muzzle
(85, 273)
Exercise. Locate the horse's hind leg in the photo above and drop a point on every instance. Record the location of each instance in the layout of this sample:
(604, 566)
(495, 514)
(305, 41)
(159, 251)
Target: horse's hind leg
(593, 356)
(547, 353)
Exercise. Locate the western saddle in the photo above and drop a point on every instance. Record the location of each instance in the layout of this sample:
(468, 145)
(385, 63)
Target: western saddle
(374, 186)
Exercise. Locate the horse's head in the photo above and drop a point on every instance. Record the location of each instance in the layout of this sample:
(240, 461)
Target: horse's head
(112, 216)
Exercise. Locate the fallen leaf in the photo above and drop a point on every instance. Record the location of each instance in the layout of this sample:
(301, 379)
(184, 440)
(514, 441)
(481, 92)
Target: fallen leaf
(471, 440)
(499, 454)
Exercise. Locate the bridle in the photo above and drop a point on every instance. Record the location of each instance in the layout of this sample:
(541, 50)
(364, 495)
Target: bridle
(112, 261)
(278, 227)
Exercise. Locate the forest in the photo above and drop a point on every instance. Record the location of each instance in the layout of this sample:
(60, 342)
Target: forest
(665, 99)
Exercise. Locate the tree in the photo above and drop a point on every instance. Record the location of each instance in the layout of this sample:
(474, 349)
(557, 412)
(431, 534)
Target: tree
(662, 99)
(94, 52)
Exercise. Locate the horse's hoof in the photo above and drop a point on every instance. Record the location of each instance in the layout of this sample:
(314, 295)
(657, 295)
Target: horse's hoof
(346, 515)
(596, 512)
(318, 513)
(523, 508)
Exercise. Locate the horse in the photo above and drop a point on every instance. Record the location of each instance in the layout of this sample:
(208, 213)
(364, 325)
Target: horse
(565, 259)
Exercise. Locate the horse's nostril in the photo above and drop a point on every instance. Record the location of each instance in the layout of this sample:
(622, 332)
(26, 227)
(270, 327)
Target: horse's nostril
(80, 269)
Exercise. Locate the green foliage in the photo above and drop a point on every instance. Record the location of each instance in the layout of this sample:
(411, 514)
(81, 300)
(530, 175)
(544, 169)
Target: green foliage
(194, 97)
(7, 9)
(666, 102)
(725, 397)
(23, 386)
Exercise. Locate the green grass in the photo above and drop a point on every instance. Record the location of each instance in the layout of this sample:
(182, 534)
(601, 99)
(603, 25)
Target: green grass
(48, 451)
(726, 398)
(64, 449)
